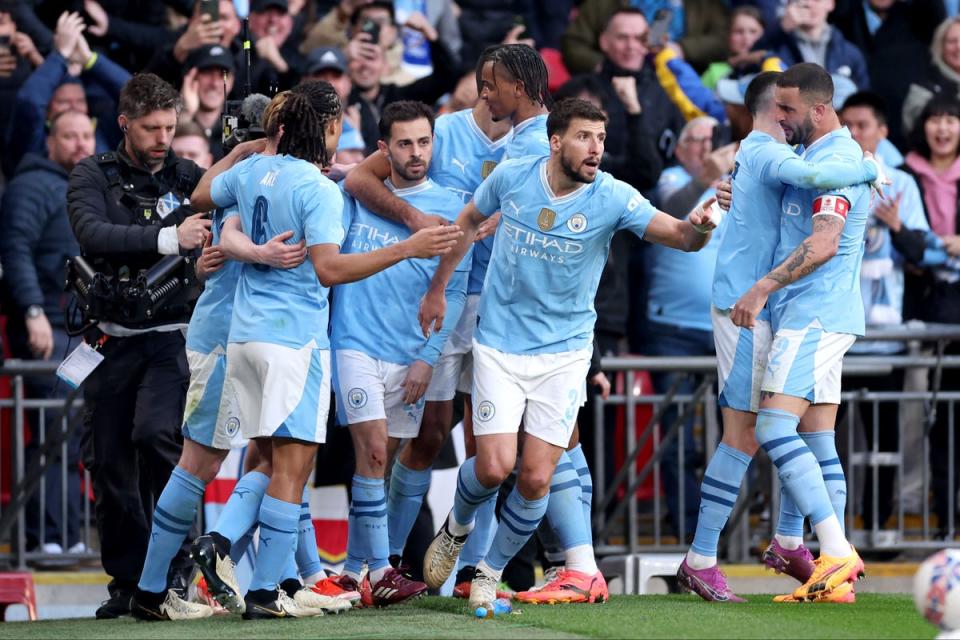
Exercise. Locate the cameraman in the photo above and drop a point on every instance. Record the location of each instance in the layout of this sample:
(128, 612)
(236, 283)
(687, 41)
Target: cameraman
(128, 208)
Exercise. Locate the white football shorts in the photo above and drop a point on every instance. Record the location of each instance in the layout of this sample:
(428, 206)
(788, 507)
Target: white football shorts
(369, 389)
(807, 363)
(741, 360)
(202, 421)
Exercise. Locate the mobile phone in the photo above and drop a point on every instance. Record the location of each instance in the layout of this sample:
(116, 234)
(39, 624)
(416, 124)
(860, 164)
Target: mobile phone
(210, 8)
(372, 29)
(524, 35)
(5, 44)
(659, 30)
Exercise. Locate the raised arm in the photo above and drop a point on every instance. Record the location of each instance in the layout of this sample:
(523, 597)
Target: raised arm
(333, 267)
(433, 305)
(365, 183)
(815, 250)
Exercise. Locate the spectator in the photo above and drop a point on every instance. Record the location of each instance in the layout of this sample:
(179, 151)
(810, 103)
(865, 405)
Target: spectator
(191, 142)
(72, 78)
(130, 29)
(934, 296)
(370, 93)
(34, 246)
(271, 26)
(697, 31)
(896, 233)
(205, 89)
(630, 84)
(330, 65)
(678, 306)
(17, 62)
(487, 22)
(894, 36)
(807, 37)
(746, 30)
(638, 162)
(943, 75)
(544, 21)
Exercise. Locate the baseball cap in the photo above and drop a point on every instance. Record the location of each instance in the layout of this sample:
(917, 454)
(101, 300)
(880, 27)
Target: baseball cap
(325, 58)
(732, 90)
(259, 6)
(210, 56)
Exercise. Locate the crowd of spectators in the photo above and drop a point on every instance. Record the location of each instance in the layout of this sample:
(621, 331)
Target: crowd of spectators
(670, 74)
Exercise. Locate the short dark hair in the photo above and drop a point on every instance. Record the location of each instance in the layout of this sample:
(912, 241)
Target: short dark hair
(749, 11)
(589, 83)
(376, 4)
(145, 93)
(566, 110)
(622, 11)
(521, 62)
(403, 111)
(758, 91)
(942, 104)
(869, 100)
(811, 79)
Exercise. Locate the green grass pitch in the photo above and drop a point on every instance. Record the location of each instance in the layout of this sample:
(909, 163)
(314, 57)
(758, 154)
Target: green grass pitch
(874, 616)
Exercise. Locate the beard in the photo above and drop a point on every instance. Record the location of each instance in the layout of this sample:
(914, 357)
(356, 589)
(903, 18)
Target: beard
(800, 134)
(411, 173)
(144, 158)
(574, 173)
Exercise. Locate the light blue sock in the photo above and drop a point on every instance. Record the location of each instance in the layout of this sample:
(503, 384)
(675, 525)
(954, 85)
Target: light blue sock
(278, 539)
(240, 513)
(478, 541)
(823, 444)
(290, 571)
(368, 521)
(172, 520)
(564, 506)
(470, 493)
(407, 489)
(308, 558)
(718, 495)
(797, 467)
(790, 520)
(519, 518)
(239, 548)
(586, 486)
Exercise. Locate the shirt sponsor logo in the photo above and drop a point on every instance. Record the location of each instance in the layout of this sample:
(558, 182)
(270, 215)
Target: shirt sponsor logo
(533, 245)
(364, 236)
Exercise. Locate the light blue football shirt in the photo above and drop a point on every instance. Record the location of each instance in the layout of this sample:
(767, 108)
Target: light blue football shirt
(463, 156)
(831, 294)
(378, 315)
(210, 323)
(763, 167)
(548, 254)
(529, 138)
(274, 194)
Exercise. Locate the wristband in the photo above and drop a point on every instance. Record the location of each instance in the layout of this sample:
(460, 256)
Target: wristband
(90, 62)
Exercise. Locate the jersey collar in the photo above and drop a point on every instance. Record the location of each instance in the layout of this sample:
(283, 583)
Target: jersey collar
(492, 145)
(417, 188)
(546, 186)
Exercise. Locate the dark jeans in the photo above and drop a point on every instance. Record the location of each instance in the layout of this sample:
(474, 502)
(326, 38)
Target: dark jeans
(668, 340)
(131, 443)
(52, 527)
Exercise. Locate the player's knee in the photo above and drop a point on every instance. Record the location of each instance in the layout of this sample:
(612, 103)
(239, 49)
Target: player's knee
(744, 440)
(425, 448)
(491, 473)
(372, 460)
(534, 483)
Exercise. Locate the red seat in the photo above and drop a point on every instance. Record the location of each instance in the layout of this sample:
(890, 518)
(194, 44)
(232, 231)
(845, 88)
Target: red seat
(17, 588)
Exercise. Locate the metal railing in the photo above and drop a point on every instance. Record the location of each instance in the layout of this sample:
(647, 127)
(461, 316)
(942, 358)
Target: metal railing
(623, 525)
(632, 524)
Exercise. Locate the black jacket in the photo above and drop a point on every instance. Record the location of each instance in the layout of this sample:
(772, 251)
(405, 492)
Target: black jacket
(37, 239)
(111, 216)
(661, 121)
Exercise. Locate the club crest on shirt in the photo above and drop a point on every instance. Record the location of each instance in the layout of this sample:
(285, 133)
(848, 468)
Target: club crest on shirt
(577, 223)
(231, 426)
(546, 219)
(357, 398)
(485, 411)
(487, 168)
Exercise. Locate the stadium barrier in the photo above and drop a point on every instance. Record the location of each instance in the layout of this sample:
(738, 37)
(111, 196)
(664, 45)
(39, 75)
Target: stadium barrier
(628, 504)
(629, 508)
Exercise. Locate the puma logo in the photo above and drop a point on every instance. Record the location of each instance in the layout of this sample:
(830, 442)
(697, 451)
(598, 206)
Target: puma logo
(461, 165)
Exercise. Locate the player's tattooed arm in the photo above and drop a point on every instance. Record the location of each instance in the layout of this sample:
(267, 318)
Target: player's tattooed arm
(809, 255)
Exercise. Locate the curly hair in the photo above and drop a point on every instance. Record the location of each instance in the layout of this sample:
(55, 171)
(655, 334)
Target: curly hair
(304, 114)
(145, 93)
